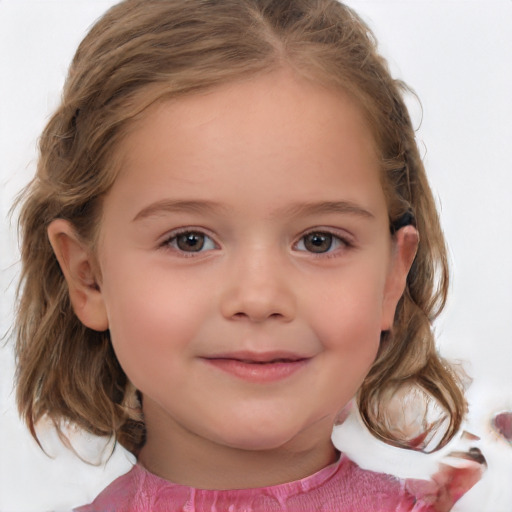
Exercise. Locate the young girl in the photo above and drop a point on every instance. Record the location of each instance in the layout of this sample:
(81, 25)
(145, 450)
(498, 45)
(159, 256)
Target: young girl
(229, 236)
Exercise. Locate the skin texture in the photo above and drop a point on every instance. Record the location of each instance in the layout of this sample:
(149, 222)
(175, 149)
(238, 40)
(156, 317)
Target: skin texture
(255, 166)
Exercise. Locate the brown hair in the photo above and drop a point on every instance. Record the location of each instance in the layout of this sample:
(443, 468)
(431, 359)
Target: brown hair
(143, 51)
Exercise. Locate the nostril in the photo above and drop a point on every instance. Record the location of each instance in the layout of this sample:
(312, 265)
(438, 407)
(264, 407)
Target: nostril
(244, 303)
(255, 316)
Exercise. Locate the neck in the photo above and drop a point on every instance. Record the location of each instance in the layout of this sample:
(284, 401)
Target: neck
(182, 457)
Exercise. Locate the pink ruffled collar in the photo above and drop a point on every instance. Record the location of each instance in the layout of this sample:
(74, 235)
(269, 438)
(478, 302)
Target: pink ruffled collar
(339, 487)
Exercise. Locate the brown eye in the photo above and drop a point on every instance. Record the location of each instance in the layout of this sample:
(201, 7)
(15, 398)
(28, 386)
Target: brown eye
(318, 242)
(190, 242)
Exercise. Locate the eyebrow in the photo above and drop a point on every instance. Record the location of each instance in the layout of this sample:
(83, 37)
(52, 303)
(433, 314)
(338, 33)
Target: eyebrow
(340, 207)
(209, 207)
(173, 206)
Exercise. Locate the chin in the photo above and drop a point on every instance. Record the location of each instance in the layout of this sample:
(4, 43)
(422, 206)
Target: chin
(253, 444)
(257, 437)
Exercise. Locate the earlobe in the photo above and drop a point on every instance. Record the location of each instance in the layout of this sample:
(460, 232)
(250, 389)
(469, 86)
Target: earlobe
(77, 264)
(406, 241)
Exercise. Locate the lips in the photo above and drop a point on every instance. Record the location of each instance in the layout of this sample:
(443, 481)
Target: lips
(261, 367)
(261, 357)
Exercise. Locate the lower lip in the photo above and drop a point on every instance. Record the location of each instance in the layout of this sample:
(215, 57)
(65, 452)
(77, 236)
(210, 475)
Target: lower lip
(258, 372)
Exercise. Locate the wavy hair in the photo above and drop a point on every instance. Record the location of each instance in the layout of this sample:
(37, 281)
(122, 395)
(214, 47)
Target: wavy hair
(144, 51)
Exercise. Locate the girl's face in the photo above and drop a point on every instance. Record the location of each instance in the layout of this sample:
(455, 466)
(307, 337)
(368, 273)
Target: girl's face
(247, 264)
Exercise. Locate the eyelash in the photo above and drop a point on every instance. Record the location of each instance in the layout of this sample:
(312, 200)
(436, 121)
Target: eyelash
(170, 242)
(342, 243)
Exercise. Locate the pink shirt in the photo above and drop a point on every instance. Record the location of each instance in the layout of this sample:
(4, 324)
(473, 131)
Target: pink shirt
(340, 487)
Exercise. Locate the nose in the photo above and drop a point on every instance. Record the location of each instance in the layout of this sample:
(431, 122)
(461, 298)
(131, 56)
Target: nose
(258, 288)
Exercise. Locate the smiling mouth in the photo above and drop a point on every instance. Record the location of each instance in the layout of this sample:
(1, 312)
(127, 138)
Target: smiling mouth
(259, 368)
(272, 361)
(261, 357)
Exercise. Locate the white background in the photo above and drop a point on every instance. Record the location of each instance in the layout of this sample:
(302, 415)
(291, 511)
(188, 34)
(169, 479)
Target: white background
(457, 56)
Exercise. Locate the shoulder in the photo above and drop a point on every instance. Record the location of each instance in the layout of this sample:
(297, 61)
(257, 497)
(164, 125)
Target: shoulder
(139, 491)
(360, 490)
(119, 496)
(438, 494)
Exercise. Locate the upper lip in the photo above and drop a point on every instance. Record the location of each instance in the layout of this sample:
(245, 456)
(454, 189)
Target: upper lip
(260, 357)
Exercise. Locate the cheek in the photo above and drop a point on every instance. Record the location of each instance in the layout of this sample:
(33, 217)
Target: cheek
(346, 315)
(151, 320)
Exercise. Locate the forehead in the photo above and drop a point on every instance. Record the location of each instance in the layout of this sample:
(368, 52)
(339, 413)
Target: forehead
(277, 133)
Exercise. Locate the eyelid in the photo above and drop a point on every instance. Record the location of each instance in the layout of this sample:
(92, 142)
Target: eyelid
(346, 239)
(164, 243)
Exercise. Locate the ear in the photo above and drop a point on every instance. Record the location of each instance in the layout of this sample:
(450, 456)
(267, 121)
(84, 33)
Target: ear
(78, 266)
(405, 245)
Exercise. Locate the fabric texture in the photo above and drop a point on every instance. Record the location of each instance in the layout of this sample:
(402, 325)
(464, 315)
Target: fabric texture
(340, 487)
